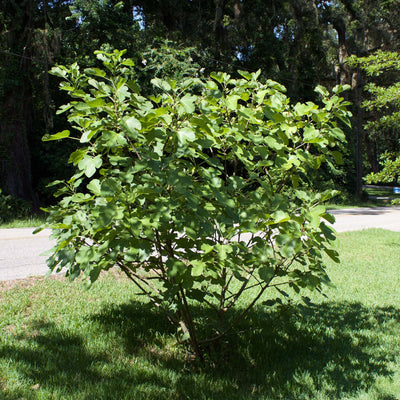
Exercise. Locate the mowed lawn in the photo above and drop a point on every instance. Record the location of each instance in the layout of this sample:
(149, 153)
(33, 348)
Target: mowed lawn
(61, 341)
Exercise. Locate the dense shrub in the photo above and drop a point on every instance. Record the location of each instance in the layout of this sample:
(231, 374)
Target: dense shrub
(195, 192)
(12, 208)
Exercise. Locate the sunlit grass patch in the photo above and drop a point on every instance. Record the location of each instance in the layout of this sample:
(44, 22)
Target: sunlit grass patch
(28, 222)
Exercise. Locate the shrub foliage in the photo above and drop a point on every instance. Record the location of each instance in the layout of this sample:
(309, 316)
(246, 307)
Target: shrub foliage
(12, 208)
(197, 192)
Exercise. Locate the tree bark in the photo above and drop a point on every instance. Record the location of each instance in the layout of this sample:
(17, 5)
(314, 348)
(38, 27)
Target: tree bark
(16, 107)
(343, 72)
(346, 76)
(358, 122)
(16, 176)
(219, 31)
(371, 150)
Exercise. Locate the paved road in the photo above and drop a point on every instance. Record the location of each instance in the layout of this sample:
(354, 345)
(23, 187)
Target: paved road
(20, 250)
(354, 219)
(20, 253)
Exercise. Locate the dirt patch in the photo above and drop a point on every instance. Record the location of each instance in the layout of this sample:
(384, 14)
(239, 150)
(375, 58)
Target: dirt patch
(26, 282)
(35, 280)
(10, 328)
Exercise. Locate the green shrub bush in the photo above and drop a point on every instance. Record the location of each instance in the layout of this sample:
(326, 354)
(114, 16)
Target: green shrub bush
(197, 192)
(12, 208)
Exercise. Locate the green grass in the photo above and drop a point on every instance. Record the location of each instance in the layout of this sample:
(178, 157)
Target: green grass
(60, 341)
(381, 192)
(375, 197)
(357, 204)
(29, 222)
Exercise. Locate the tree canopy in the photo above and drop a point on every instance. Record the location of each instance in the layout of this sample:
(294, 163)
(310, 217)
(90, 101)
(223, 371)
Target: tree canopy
(383, 108)
(298, 43)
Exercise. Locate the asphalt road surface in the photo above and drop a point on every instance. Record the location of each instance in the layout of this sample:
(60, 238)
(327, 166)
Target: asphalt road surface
(20, 250)
(20, 253)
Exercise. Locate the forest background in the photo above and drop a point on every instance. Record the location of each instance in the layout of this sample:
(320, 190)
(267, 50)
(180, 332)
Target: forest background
(299, 43)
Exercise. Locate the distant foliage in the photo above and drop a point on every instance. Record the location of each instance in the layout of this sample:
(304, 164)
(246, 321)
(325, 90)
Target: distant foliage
(384, 106)
(12, 208)
(196, 192)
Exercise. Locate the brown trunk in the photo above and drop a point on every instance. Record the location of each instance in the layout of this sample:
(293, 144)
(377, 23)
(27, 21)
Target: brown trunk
(16, 110)
(342, 72)
(295, 45)
(370, 148)
(15, 161)
(356, 86)
(354, 78)
(219, 31)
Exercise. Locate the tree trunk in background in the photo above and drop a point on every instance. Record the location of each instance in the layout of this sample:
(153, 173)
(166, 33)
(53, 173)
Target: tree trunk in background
(372, 155)
(358, 122)
(16, 177)
(219, 31)
(354, 78)
(16, 104)
(343, 75)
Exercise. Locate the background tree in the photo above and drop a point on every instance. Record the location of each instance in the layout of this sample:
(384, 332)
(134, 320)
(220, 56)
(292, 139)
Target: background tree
(18, 22)
(362, 27)
(299, 43)
(31, 38)
(383, 107)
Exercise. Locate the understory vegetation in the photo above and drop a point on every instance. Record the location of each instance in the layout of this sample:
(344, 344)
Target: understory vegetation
(61, 341)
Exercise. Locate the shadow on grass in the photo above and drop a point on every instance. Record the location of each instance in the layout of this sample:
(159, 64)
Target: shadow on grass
(334, 349)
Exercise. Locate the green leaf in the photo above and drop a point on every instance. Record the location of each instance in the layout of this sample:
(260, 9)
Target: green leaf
(123, 93)
(99, 102)
(340, 88)
(280, 216)
(231, 102)
(60, 135)
(276, 101)
(303, 109)
(87, 254)
(266, 273)
(185, 135)
(206, 248)
(188, 103)
(318, 210)
(339, 134)
(312, 135)
(95, 71)
(59, 71)
(272, 143)
(77, 156)
(106, 215)
(322, 91)
(328, 231)
(246, 75)
(329, 217)
(175, 267)
(338, 157)
(333, 255)
(161, 84)
(128, 62)
(133, 124)
(90, 164)
(198, 267)
(109, 187)
(218, 76)
(94, 187)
